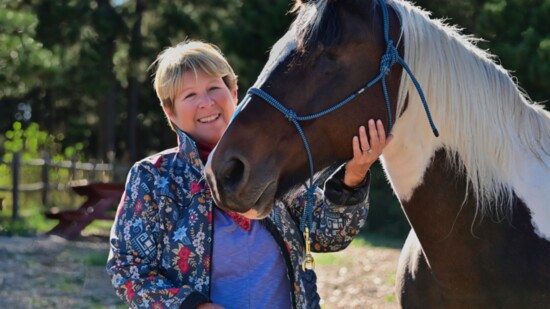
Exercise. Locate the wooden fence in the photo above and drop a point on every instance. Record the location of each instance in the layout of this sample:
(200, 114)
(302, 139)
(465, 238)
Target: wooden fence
(78, 173)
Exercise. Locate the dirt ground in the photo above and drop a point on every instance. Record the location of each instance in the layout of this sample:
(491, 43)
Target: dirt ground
(50, 272)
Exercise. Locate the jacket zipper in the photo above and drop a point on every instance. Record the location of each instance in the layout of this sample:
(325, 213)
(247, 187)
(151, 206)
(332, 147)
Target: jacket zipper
(211, 248)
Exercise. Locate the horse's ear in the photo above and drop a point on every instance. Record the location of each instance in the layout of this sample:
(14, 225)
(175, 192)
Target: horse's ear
(299, 3)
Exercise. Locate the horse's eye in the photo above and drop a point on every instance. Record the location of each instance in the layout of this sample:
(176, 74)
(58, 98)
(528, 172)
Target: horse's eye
(332, 55)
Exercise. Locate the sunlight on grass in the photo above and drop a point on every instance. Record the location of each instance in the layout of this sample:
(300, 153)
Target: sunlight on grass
(96, 259)
(68, 283)
(391, 279)
(367, 240)
(377, 240)
(328, 259)
(31, 221)
(98, 227)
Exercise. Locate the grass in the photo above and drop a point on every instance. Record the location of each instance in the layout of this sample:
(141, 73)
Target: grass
(374, 239)
(98, 227)
(68, 283)
(327, 259)
(363, 240)
(30, 222)
(96, 259)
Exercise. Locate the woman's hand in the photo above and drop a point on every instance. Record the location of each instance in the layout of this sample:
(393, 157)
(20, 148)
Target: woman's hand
(364, 154)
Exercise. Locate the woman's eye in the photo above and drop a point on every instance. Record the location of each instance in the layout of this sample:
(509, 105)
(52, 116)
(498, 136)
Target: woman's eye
(189, 95)
(214, 88)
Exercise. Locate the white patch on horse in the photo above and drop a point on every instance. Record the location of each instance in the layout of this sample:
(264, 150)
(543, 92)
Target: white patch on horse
(531, 180)
(279, 52)
(406, 172)
(501, 138)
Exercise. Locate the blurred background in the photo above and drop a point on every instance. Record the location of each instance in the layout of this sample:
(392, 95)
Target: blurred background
(77, 102)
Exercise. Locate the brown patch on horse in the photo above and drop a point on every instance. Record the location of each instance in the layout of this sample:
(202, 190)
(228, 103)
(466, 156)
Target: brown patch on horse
(456, 259)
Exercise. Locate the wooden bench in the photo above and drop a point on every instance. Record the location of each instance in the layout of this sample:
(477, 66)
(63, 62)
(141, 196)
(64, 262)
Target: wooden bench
(102, 200)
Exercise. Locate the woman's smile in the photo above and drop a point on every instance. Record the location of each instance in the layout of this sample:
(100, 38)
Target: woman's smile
(209, 119)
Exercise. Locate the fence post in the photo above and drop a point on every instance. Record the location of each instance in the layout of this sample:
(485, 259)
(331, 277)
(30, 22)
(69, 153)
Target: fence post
(93, 176)
(15, 164)
(46, 179)
(72, 174)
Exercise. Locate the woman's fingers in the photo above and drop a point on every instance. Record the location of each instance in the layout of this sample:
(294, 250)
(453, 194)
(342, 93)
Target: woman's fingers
(365, 147)
(365, 151)
(381, 132)
(356, 148)
(374, 140)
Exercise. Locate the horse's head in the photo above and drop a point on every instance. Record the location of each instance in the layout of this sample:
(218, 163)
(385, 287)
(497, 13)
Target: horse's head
(332, 49)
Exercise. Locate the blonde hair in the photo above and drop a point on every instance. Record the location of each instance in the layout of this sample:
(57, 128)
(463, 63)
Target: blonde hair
(193, 56)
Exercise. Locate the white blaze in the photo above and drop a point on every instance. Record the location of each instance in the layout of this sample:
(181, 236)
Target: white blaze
(279, 52)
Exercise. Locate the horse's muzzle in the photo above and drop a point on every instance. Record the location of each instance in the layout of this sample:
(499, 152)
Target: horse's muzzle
(234, 190)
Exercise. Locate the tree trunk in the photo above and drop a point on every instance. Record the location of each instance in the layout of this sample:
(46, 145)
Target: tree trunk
(106, 24)
(133, 72)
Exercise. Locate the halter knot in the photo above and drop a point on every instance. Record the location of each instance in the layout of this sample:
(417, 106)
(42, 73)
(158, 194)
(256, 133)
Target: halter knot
(389, 58)
(290, 115)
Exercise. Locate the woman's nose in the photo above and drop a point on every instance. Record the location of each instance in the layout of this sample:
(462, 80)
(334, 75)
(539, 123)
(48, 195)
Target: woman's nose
(205, 100)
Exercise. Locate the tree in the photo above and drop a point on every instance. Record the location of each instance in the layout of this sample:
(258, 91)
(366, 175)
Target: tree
(25, 64)
(516, 31)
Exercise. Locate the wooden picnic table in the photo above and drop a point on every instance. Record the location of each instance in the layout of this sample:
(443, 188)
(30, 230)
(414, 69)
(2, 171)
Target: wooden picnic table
(102, 200)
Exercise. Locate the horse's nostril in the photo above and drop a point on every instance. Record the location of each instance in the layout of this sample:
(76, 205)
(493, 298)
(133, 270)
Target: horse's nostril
(233, 173)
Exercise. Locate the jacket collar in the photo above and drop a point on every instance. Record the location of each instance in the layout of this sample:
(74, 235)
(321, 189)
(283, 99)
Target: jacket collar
(187, 149)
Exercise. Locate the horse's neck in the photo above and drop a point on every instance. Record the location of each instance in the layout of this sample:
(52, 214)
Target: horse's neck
(405, 160)
(531, 183)
(459, 244)
(411, 155)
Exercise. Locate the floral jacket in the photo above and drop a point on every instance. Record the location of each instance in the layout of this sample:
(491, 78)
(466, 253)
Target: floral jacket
(161, 240)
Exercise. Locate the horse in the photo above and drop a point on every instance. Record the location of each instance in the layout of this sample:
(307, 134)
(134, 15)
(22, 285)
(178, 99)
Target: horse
(476, 196)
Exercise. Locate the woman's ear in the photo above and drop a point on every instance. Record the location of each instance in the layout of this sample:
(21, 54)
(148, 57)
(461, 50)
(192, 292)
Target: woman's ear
(235, 94)
(168, 112)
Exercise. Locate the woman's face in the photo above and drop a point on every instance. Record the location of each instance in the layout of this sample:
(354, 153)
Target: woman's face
(203, 107)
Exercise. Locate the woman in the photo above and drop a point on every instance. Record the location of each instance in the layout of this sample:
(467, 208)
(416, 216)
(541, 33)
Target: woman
(171, 247)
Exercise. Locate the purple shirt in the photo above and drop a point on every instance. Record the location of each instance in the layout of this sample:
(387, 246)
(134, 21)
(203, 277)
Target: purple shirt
(248, 269)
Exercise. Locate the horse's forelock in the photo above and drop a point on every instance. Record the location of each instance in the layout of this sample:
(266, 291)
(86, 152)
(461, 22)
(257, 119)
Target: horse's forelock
(298, 4)
(315, 21)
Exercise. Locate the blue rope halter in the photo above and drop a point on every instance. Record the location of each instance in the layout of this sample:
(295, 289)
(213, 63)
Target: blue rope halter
(390, 58)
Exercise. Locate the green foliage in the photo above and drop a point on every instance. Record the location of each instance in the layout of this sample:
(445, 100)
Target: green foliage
(385, 214)
(32, 222)
(516, 31)
(32, 143)
(24, 62)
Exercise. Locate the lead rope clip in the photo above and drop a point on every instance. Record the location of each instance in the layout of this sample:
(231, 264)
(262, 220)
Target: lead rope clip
(309, 262)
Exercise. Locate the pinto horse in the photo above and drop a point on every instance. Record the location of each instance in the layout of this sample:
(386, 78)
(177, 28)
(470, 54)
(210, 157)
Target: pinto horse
(477, 197)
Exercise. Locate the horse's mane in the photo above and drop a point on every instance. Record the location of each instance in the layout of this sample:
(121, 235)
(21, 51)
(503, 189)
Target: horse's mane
(315, 21)
(486, 121)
